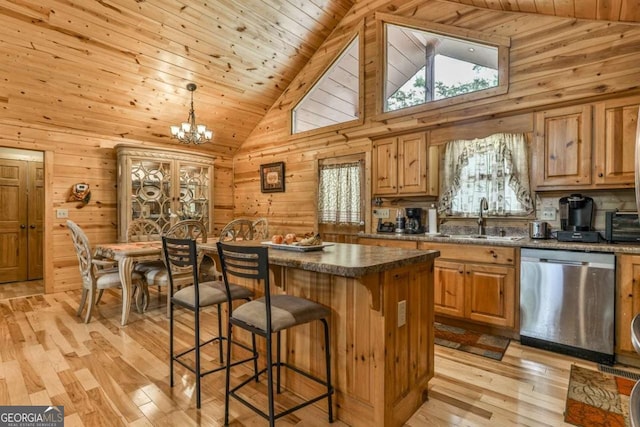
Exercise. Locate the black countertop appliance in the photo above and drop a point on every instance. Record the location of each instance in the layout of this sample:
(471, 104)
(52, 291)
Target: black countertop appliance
(576, 220)
(414, 221)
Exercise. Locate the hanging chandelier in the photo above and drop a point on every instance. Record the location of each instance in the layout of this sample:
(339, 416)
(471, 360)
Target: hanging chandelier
(189, 132)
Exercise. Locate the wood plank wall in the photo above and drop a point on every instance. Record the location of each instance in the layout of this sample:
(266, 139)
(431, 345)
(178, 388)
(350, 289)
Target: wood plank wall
(72, 157)
(553, 62)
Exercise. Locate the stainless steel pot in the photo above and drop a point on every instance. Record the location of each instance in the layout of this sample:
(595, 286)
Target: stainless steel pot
(538, 230)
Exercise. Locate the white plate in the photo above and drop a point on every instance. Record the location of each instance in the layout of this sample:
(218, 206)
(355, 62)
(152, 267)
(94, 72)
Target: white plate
(297, 248)
(150, 192)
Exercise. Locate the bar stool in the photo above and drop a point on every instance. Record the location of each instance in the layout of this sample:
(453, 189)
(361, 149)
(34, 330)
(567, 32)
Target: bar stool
(182, 259)
(634, 398)
(265, 316)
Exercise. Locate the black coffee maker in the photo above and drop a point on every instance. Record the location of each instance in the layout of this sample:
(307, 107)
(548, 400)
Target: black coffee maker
(576, 219)
(414, 221)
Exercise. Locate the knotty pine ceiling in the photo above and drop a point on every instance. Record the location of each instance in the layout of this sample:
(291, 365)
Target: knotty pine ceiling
(120, 67)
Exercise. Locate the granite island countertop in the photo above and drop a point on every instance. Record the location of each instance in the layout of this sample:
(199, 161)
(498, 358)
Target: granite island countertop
(516, 241)
(345, 259)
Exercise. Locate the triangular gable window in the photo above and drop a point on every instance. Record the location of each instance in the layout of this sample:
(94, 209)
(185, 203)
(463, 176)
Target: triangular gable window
(335, 98)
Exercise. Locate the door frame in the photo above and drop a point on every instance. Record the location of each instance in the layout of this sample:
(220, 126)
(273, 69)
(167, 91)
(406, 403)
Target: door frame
(47, 243)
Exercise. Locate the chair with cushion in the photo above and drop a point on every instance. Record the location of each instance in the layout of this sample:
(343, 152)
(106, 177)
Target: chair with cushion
(266, 316)
(189, 228)
(97, 274)
(182, 259)
(144, 230)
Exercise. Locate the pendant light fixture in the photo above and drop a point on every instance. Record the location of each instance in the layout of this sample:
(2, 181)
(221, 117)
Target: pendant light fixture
(189, 132)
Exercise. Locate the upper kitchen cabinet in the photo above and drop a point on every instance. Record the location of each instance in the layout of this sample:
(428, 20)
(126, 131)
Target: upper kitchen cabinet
(614, 139)
(562, 151)
(402, 165)
(163, 185)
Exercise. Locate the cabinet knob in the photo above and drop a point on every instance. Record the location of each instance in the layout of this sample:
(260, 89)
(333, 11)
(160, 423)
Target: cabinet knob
(22, 226)
(32, 226)
(600, 175)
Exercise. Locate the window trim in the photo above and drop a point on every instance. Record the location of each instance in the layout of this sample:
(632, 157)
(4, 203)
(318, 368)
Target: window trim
(358, 32)
(502, 43)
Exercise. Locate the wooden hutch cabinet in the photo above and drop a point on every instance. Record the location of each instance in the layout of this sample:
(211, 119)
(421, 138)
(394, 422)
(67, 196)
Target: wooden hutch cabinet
(163, 185)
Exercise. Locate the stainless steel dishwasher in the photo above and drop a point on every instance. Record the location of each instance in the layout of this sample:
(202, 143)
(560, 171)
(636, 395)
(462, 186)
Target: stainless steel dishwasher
(567, 302)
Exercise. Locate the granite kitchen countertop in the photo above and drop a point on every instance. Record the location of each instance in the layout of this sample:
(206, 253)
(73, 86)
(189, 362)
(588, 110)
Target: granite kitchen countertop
(343, 259)
(511, 241)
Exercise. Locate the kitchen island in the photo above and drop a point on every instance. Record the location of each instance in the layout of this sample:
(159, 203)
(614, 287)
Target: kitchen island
(381, 326)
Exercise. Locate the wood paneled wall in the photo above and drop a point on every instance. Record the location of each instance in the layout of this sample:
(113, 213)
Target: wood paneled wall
(553, 61)
(71, 158)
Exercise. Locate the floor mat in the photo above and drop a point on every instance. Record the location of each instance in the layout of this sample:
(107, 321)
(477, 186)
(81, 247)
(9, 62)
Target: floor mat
(597, 399)
(486, 345)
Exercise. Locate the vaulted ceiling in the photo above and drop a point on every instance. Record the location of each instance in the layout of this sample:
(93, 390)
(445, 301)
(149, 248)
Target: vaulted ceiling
(120, 67)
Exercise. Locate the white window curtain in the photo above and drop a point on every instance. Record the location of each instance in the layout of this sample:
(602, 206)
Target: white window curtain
(339, 198)
(495, 167)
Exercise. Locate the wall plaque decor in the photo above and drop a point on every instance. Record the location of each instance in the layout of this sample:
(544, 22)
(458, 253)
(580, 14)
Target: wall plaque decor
(272, 177)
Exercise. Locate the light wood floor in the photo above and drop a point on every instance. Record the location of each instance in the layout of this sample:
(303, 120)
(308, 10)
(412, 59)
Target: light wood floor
(105, 374)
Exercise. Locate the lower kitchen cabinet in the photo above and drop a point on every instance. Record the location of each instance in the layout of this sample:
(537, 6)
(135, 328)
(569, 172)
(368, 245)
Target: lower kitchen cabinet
(476, 283)
(627, 301)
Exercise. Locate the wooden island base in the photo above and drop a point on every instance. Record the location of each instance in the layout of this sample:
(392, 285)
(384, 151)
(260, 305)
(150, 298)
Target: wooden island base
(382, 333)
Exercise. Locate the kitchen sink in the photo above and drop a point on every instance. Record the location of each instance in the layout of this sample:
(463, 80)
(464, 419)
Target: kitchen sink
(483, 237)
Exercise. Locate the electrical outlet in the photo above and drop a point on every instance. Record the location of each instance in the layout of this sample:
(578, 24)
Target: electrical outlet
(402, 313)
(549, 213)
(381, 213)
(62, 213)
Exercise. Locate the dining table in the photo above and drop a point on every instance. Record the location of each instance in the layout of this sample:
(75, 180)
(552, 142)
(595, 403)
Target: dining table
(127, 255)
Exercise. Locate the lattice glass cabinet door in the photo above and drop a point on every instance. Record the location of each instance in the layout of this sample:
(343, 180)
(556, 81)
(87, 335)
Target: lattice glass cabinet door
(195, 187)
(164, 186)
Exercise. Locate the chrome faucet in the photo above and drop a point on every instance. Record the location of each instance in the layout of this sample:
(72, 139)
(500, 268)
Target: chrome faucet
(484, 205)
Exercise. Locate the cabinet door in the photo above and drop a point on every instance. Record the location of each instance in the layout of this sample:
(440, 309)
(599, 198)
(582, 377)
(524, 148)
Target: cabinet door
(615, 138)
(489, 294)
(448, 283)
(385, 167)
(412, 164)
(150, 192)
(628, 300)
(194, 193)
(562, 155)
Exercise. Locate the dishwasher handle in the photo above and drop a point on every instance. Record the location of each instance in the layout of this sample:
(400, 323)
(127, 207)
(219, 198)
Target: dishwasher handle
(607, 266)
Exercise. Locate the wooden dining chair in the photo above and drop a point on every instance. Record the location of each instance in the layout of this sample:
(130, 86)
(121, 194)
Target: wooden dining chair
(182, 259)
(186, 229)
(97, 274)
(267, 316)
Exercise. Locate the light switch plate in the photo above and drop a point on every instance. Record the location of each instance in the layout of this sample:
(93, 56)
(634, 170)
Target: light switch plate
(62, 213)
(381, 213)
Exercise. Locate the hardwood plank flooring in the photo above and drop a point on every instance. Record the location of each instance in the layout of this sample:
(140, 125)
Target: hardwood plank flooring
(107, 374)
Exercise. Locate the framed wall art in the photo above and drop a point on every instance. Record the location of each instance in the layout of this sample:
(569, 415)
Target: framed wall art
(272, 177)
